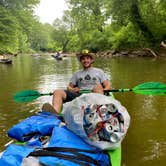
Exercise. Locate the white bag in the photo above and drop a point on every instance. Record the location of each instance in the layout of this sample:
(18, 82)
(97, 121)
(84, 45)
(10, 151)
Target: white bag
(99, 120)
(31, 161)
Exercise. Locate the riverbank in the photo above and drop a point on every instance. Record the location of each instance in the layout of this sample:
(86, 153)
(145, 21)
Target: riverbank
(146, 52)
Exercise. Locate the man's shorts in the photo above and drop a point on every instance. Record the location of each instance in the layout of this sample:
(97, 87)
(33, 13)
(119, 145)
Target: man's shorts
(71, 95)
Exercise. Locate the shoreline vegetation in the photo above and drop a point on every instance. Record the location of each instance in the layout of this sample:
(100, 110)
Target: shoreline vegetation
(108, 28)
(146, 52)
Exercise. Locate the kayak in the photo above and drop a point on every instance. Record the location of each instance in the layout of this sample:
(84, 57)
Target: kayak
(57, 58)
(114, 155)
(47, 131)
(6, 61)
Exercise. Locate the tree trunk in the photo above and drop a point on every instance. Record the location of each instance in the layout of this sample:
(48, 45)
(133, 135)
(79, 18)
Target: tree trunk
(140, 23)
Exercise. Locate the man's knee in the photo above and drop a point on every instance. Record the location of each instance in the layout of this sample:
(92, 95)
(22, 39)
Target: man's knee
(60, 93)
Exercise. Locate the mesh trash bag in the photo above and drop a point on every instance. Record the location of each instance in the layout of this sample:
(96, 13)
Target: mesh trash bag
(99, 120)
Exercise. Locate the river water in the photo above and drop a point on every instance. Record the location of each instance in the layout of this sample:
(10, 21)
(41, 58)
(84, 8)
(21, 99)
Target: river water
(145, 142)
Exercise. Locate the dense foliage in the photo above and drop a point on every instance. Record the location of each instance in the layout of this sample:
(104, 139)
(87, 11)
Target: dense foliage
(94, 24)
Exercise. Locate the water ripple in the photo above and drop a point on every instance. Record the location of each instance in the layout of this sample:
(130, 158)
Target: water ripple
(155, 150)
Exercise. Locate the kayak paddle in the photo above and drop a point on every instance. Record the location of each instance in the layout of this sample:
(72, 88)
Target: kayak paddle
(28, 95)
(148, 88)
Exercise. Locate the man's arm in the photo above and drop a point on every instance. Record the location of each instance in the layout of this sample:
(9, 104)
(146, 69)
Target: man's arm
(99, 88)
(72, 88)
(106, 85)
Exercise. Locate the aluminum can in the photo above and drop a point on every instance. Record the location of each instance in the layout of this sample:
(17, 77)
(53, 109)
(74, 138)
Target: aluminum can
(115, 137)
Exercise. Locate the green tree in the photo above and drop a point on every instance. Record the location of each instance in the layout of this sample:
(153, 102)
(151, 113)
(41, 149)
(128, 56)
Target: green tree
(121, 24)
(146, 16)
(41, 39)
(9, 32)
(16, 22)
(88, 18)
(19, 5)
(61, 34)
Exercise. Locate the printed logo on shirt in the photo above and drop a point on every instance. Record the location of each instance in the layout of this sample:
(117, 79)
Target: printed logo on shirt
(87, 77)
(87, 81)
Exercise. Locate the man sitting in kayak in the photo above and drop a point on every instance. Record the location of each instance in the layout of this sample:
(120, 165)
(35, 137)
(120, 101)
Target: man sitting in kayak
(57, 55)
(89, 77)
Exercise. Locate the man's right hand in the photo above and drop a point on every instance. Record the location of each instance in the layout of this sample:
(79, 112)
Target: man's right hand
(76, 89)
(98, 89)
(73, 89)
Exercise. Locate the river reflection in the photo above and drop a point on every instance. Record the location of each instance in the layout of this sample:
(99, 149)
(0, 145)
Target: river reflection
(145, 142)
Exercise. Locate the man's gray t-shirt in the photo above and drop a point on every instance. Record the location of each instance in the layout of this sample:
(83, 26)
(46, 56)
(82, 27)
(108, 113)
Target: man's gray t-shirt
(87, 79)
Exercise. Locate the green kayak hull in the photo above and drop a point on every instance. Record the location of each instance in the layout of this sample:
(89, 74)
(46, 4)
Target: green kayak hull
(115, 156)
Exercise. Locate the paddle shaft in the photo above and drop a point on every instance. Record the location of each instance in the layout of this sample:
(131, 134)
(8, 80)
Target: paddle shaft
(106, 91)
(129, 90)
(118, 90)
(88, 91)
(45, 94)
(148, 88)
